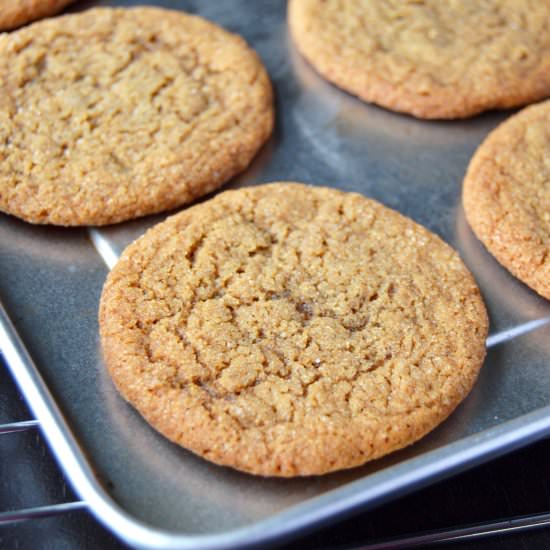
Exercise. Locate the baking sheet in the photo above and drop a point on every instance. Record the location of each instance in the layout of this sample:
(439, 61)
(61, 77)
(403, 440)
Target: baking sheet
(51, 279)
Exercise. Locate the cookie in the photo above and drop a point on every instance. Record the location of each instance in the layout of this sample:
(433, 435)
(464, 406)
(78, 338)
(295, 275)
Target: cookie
(431, 59)
(111, 114)
(14, 13)
(289, 330)
(506, 195)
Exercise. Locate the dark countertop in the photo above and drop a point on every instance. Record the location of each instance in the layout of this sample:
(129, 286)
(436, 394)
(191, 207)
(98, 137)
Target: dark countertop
(513, 485)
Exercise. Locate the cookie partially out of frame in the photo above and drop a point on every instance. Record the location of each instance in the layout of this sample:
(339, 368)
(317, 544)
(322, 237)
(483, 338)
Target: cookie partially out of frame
(289, 330)
(111, 114)
(14, 13)
(431, 59)
(506, 195)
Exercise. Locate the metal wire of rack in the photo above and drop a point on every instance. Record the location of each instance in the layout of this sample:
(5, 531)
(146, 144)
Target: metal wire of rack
(15, 516)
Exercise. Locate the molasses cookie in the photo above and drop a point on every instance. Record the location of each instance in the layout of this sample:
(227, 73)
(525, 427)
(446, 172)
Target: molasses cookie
(506, 195)
(111, 114)
(291, 330)
(431, 59)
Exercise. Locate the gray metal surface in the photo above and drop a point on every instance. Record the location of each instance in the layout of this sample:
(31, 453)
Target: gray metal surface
(154, 494)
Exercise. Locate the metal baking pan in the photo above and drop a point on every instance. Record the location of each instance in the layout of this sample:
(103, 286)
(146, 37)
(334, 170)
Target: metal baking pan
(153, 494)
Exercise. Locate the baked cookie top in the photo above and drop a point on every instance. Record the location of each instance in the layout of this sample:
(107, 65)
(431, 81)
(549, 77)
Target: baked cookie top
(111, 114)
(290, 330)
(14, 13)
(431, 59)
(506, 195)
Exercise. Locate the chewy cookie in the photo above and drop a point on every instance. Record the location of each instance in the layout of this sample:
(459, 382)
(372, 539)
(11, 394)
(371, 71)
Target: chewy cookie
(290, 330)
(111, 114)
(506, 195)
(431, 59)
(14, 13)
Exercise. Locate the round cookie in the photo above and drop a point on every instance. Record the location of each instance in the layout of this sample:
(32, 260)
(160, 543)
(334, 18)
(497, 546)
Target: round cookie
(431, 59)
(111, 114)
(506, 195)
(14, 13)
(291, 330)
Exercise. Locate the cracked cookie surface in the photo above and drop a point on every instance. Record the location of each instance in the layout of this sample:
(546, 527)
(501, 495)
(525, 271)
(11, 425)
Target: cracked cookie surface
(14, 13)
(506, 195)
(292, 330)
(112, 114)
(429, 58)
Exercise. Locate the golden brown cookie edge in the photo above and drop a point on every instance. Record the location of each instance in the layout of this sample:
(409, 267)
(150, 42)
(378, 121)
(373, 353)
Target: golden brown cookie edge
(29, 10)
